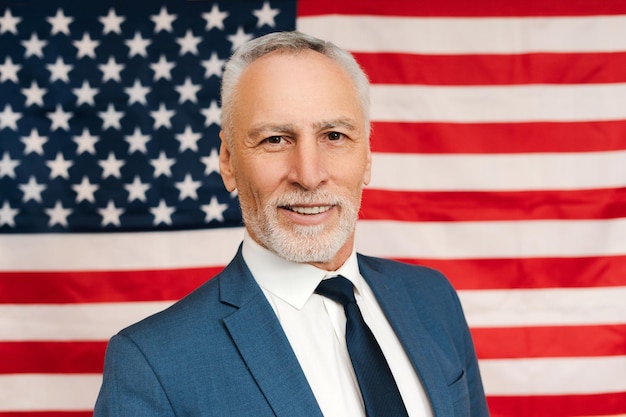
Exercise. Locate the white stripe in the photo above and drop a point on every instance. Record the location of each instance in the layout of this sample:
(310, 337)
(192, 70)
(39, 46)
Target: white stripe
(545, 307)
(46, 322)
(119, 251)
(499, 172)
(50, 392)
(497, 239)
(511, 103)
(516, 377)
(554, 376)
(469, 35)
(389, 239)
(488, 308)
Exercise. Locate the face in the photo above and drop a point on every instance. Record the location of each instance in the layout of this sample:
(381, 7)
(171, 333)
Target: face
(298, 156)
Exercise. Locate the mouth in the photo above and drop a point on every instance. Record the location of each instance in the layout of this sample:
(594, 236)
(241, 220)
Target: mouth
(308, 210)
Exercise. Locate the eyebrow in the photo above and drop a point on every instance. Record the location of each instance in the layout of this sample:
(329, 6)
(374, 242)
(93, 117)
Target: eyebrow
(270, 127)
(330, 124)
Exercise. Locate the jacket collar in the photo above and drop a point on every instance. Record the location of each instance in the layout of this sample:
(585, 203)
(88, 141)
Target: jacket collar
(263, 345)
(398, 304)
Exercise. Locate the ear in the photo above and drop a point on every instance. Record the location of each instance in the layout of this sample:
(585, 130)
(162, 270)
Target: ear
(367, 174)
(226, 166)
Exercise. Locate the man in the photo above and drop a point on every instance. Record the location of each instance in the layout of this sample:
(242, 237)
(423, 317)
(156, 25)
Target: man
(257, 340)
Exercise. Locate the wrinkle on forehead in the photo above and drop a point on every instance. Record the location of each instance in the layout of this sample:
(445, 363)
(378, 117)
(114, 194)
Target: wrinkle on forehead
(345, 123)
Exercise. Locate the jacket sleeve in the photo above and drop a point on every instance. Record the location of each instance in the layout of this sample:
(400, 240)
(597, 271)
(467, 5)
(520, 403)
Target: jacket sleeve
(130, 386)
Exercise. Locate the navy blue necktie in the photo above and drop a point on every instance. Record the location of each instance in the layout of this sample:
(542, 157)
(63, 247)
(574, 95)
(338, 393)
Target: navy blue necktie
(378, 388)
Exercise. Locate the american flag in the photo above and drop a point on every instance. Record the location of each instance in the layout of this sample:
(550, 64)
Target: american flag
(499, 138)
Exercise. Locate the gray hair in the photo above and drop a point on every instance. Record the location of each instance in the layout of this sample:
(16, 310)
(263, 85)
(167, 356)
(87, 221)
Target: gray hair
(288, 42)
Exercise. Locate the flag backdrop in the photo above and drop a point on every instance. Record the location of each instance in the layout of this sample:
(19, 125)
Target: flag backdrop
(499, 138)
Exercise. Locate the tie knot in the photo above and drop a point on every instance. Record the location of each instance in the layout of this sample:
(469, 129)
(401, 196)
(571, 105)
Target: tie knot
(338, 289)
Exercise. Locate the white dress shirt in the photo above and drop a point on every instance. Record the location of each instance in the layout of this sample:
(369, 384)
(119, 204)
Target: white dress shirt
(315, 327)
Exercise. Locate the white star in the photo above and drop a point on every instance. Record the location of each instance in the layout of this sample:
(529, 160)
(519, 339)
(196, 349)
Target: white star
(32, 190)
(112, 22)
(60, 23)
(162, 213)
(34, 46)
(86, 142)
(59, 70)
(214, 210)
(7, 166)
(111, 70)
(58, 215)
(188, 140)
(213, 114)
(34, 142)
(266, 15)
(34, 94)
(137, 190)
(85, 191)
(60, 119)
(188, 188)
(9, 118)
(7, 215)
(188, 91)
(8, 70)
(215, 18)
(239, 38)
(163, 21)
(59, 167)
(213, 66)
(162, 69)
(137, 142)
(211, 162)
(137, 46)
(162, 165)
(137, 93)
(85, 94)
(86, 46)
(162, 117)
(8, 23)
(111, 214)
(111, 118)
(111, 166)
(189, 43)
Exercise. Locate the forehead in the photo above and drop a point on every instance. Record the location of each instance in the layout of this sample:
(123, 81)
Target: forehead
(299, 82)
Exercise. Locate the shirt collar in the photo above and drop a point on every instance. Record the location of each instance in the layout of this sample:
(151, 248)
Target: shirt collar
(290, 281)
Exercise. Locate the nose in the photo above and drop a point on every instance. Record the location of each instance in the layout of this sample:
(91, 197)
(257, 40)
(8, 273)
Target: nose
(309, 165)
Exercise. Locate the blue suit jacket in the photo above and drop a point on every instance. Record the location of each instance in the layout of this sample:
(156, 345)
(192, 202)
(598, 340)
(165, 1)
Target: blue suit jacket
(221, 351)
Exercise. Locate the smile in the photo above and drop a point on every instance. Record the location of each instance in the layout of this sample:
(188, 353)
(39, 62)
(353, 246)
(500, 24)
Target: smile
(309, 210)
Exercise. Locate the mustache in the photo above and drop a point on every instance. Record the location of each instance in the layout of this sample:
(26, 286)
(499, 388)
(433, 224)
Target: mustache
(319, 197)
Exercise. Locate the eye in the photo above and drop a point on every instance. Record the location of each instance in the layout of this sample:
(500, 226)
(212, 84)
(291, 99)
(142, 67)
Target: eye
(335, 135)
(274, 140)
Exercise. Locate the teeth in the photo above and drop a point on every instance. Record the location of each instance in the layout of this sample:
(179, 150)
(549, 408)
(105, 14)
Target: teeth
(310, 210)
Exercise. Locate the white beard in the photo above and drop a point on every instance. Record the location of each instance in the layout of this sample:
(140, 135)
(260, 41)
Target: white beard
(299, 243)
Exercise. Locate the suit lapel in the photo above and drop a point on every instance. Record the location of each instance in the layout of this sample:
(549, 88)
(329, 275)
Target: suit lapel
(256, 332)
(416, 341)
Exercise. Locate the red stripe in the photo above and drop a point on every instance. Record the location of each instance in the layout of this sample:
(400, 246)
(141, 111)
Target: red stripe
(558, 405)
(540, 68)
(533, 273)
(71, 357)
(546, 342)
(100, 286)
(461, 8)
(78, 357)
(440, 206)
(486, 138)
(128, 286)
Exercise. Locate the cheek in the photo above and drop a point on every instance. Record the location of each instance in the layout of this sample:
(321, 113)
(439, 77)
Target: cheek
(256, 185)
